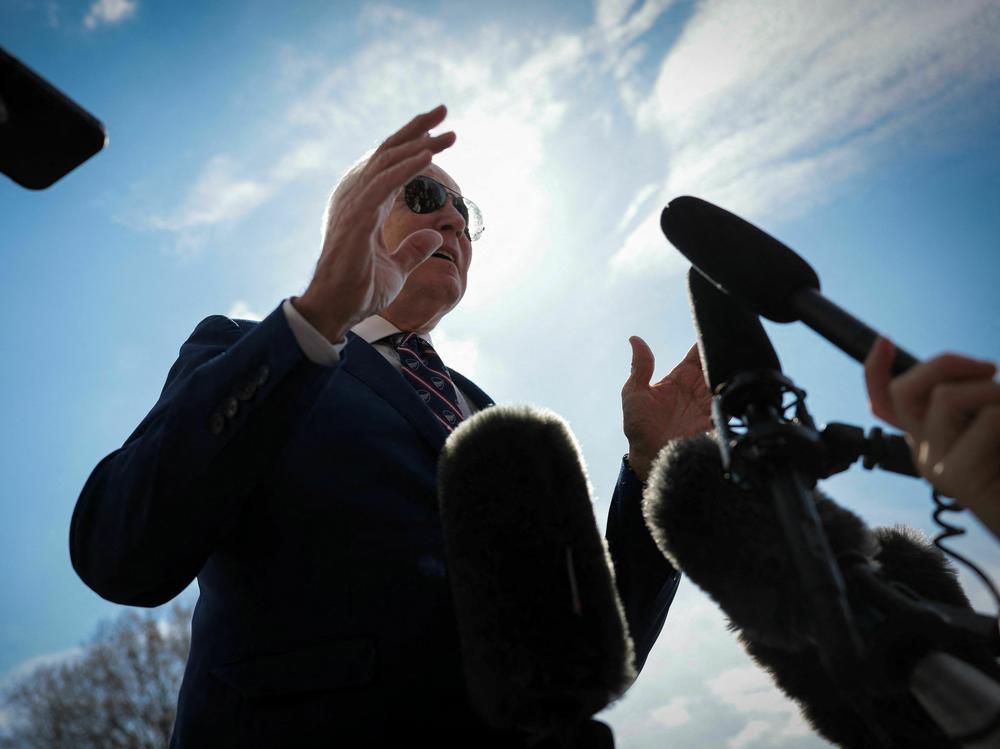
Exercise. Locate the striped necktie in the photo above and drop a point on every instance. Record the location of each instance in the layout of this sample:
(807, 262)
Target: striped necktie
(424, 370)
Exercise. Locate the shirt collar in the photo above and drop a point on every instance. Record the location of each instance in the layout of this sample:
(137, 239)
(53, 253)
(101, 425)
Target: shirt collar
(376, 327)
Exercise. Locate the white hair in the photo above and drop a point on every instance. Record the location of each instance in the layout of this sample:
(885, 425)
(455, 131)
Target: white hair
(346, 181)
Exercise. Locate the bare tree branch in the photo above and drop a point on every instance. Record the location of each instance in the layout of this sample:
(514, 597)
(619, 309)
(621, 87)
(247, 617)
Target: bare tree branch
(119, 693)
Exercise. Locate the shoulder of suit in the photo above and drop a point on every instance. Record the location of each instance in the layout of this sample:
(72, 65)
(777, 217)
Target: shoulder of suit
(217, 330)
(223, 324)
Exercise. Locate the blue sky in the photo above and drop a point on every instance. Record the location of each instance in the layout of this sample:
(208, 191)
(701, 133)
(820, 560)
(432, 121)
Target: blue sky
(863, 134)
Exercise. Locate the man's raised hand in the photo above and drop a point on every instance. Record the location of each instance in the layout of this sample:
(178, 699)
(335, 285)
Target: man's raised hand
(357, 274)
(679, 405)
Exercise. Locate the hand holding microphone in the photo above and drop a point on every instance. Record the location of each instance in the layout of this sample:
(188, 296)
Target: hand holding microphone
(949, 407)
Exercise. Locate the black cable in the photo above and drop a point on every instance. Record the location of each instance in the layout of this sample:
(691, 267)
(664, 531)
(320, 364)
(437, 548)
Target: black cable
(951, 531)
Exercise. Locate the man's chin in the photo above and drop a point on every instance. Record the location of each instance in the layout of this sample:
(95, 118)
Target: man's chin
(448, 292)
(430, 299)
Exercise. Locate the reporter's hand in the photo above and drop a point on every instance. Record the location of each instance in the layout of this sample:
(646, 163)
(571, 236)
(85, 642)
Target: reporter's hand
(949, 407)
(679, 405)
(357, 274)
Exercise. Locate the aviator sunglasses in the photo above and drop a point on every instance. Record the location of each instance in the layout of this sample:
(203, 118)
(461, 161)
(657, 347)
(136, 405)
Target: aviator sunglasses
(425, 195)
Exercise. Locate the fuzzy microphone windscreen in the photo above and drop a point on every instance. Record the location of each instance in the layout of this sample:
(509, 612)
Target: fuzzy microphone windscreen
(905, 557)
(543, 633)
(729, 542)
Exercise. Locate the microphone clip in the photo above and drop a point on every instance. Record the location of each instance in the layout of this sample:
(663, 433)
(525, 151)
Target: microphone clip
(762, 420)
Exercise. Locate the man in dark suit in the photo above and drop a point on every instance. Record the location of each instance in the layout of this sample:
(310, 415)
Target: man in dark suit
(290, 466)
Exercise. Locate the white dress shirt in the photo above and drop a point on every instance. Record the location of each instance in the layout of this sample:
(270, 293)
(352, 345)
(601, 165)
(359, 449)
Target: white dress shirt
(375, 330)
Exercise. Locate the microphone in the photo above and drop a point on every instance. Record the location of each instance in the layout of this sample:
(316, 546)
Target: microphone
(777, 556)
(44, 134)
(727, 540)
(740, 350)
(765, 274)
(543, 633)
(724, 319)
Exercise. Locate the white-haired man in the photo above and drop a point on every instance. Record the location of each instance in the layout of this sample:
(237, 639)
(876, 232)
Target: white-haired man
(290, 464)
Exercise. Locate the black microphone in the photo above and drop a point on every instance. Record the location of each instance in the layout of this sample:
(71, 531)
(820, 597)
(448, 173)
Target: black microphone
(543, 634)
(776, 555)
(724, 318)
(727, 540)
(732, 344)
(44, 134)
(765, 274)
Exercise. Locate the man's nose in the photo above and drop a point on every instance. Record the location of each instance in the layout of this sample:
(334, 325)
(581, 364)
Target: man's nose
(450, 220)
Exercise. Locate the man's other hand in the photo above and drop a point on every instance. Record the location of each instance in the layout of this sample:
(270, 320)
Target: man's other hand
(679, 405)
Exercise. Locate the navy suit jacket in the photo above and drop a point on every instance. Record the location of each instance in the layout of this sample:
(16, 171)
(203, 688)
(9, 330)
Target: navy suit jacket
(303, 498)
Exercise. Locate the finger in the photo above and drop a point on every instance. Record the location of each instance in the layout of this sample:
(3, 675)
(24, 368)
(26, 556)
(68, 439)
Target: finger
(878, 374)
(953, 406)
(392, 156)
(692, 357)
(383, 185)
(416, 248)
(688, 372)
(643, 362)
(911, 390)
(415, 127)
(970, 471)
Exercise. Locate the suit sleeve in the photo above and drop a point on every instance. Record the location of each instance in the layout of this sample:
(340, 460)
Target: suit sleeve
(153, 511)
(646, 581)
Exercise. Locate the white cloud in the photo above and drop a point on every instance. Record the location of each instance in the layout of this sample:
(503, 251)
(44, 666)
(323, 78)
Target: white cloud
(243, 311)
(52, 13)
(770, 113)
(750, 691)
(642, 197)
(751, 731)
(219, 195)
(109, 12)
(674, 713)
(25, 667)
(460, 354)
(303, 158)
(610, 13)
(646, 252)
(643, 19)
(619, 28)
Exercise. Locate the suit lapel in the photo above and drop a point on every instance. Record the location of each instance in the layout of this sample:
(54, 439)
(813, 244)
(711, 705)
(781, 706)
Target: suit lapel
(368, 365)
(479, 399)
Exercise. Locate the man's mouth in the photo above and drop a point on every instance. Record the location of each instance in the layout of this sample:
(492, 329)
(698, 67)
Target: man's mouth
(445, 255)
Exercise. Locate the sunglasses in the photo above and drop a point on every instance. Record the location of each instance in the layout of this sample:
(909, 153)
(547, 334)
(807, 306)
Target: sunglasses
(425, 195)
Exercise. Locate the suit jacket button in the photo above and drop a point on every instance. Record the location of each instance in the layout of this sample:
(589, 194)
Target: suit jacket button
(247, 390)
(263, 372)
(216, 423)
(230, 406)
